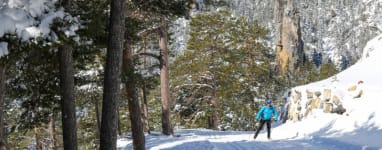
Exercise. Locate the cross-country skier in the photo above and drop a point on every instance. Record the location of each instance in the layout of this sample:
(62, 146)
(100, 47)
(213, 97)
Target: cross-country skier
(265, 116)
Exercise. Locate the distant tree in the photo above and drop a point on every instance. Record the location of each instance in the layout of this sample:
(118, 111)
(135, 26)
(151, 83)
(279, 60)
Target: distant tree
(130, 79)
(327, 70)
(312, 71)
(162, 12)
(317, 58)
(224, 55)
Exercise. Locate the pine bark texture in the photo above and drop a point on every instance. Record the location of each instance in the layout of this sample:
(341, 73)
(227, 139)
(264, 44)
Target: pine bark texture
(145, 114)
(215, 105)
(112, 80)
(68, 110)
(133, 102)
(38, 145)
(52, 128)
(67, 101)
(164, 81)
(3, 138)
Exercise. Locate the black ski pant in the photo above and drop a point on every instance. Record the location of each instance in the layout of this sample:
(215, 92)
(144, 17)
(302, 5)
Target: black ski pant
(262, 122)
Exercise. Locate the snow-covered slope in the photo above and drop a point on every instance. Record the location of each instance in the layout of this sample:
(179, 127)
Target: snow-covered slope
(362, 121)
(360, 127)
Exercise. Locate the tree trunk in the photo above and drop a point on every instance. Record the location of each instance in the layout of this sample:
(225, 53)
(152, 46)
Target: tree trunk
(132, 96)
(145, 118)
(119, 122)
(52, 128)
(214, 103)
(98, 120)
(67, 94)
(3, 139)
(164, 80)
(37, 138)
(112, 80)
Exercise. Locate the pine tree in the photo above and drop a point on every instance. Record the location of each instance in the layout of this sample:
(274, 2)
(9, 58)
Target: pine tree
(219, 66)
(69, 123)
(108, 137)
(130, 79)
(327, 70)
(165, 11)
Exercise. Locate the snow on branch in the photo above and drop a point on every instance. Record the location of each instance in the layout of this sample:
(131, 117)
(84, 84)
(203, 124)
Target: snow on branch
(28, 19)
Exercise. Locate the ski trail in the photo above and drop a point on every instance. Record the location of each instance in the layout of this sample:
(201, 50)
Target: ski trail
(205, 140)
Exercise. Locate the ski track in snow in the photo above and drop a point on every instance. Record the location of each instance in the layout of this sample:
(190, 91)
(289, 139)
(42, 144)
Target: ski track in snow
(227, 140)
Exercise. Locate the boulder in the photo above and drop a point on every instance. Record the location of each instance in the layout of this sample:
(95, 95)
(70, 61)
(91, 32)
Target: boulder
(295, 117)
(352, 88)
(327, 94)
(317, 93)
(336, 100)
(328, 107)
(315, 103)
(309, 102)
(307, 111)
(339, 110)
(309, 94)
(299, 107)
(359, 94)
(296, 96)
(291, 112)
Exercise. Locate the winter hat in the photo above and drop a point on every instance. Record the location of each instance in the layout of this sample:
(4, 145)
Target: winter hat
(268, 101)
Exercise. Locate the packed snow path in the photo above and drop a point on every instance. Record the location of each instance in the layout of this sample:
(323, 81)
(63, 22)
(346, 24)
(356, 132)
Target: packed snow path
(240, 140)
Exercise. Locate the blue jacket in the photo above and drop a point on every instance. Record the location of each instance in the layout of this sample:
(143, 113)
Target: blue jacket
(265, 113)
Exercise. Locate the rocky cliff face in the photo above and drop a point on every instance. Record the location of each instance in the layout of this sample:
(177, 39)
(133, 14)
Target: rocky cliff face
(333, 31)
(289, 45)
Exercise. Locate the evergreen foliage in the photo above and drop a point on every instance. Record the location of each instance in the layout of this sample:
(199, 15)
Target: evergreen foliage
(225, 52)
(310, 73)
(327, 70)
(36, 85)
(166, 8)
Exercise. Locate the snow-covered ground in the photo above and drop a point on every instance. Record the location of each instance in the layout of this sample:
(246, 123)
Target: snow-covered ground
(360, 127)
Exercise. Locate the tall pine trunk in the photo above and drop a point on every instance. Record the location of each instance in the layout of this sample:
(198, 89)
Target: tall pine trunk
(144, 107)
(112, 80)
(3, 138)
(68, 110)
(38, 145)
(214, 104)
(164, 80)
(67, 94)
(98, 120)
(52, 128)
(133, 102)
(213, 119)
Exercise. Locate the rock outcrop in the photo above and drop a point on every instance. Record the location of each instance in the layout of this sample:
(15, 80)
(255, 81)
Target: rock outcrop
(296, 108)
(289, 45)
(331, 30)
